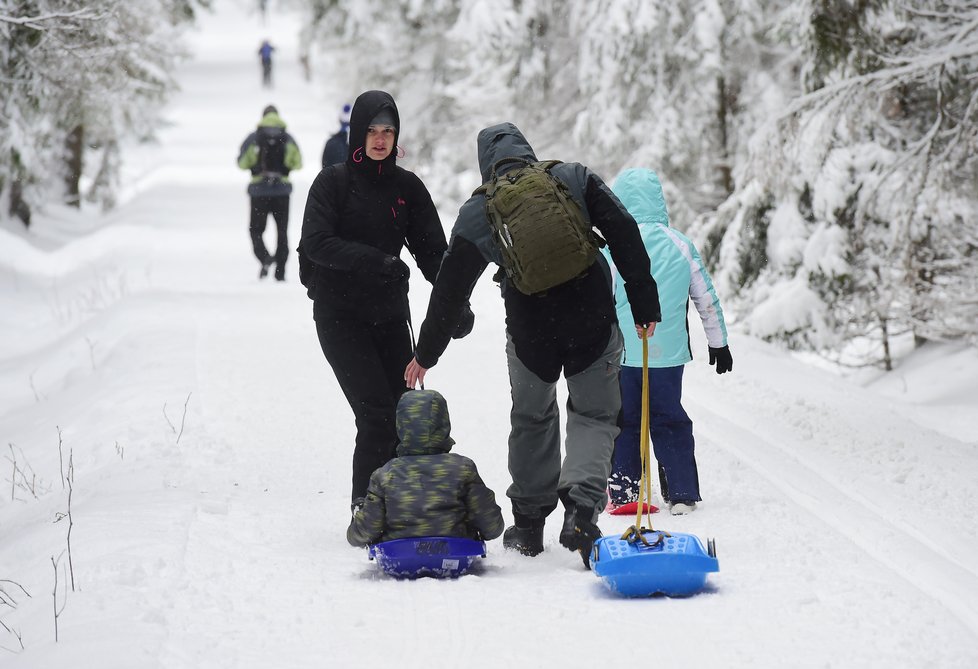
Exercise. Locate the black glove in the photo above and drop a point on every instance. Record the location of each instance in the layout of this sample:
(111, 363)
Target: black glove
(393, 270)
(465, 323)
(721, 356)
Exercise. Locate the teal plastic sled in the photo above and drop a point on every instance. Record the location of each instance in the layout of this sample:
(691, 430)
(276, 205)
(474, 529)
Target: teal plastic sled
(440, 557)
(665, 563)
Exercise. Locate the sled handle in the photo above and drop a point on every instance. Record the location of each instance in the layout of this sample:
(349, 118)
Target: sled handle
(645, 482)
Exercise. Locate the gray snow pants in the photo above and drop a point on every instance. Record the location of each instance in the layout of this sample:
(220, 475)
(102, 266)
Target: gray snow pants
(593, 404)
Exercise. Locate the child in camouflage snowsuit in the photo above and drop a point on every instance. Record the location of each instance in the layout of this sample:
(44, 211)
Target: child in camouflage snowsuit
(426, 490)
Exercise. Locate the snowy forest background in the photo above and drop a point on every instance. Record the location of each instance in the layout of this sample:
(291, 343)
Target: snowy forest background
(822, 153)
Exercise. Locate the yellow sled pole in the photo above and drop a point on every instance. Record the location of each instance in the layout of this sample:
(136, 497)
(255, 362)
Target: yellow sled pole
(645, 484)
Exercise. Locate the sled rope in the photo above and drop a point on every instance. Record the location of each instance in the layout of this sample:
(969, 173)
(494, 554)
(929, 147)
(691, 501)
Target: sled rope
(645, 484)
(635, 534)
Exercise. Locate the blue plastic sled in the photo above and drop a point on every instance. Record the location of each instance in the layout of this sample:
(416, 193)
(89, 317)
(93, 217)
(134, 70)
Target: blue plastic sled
(667, 563)
(441, 557)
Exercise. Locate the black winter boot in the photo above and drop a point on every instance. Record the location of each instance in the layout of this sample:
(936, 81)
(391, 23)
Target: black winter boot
(526, 536)
(579, 533)
(526, 540)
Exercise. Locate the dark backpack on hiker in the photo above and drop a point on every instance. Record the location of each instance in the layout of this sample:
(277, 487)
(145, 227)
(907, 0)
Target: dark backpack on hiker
(544, 237)
(271, 152)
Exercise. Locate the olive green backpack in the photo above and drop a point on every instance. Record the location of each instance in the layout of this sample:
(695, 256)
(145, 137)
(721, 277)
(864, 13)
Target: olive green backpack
(542, 234)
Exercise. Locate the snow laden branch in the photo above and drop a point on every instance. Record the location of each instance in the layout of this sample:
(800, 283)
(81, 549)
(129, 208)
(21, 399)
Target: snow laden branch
(36, 22)
(856, 202)
(943, 66)
(76, 85)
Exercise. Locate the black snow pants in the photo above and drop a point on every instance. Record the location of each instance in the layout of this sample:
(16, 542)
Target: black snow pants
(278, 207)
(368, 361)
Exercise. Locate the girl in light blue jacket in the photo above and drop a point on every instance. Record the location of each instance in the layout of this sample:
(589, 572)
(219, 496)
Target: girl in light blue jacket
(680, 275)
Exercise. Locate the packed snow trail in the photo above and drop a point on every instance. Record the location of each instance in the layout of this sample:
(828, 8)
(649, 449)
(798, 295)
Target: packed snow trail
(845, 531)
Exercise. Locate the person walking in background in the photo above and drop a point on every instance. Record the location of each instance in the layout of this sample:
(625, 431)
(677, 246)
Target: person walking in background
(681, 277)
(569, 328)
(265, 56)
(270, 153)
(426, 490)
(338, 146)
(359, 215)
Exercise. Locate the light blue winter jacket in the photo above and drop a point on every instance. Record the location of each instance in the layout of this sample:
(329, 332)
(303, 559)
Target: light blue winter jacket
(678, 271)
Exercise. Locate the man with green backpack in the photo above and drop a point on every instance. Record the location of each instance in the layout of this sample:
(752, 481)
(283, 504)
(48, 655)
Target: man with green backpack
(270, 153)
(534, 220)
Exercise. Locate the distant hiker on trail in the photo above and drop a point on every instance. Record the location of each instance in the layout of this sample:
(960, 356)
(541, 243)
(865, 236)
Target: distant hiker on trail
(270, 153)
(359, 215)
(569, 327)
(265, 56)
(681, 277)
(426, 490)
(338, 146)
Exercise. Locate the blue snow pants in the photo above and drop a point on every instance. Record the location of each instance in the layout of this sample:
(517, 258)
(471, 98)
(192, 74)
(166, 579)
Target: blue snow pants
(671, 432)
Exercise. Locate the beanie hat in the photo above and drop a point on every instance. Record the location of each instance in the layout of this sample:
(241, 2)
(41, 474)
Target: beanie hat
(270, 109)
(345, 115)
(384, 117)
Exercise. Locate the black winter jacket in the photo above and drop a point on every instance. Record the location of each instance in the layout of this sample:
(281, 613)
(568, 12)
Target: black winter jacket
(359, 215)
(426, 490)
(336, 149)
(567, 327)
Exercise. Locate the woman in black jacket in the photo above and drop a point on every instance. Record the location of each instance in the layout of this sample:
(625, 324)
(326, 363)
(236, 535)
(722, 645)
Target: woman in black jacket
(358, 217)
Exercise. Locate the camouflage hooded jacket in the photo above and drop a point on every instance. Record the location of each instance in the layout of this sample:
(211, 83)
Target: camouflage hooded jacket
(425, 490)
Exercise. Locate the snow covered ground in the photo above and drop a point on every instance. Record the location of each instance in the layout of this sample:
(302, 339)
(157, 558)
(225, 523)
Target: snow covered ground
(187, 411)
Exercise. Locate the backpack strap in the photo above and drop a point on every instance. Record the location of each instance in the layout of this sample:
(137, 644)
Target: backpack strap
(596, 238)
(505, 161)
(484, 188)
(547, 164)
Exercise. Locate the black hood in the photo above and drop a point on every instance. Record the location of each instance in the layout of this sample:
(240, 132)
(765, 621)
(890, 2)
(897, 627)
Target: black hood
(366, 107)
(501, 141)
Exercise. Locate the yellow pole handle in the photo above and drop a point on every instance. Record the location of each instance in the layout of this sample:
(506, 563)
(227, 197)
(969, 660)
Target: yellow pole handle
(645, 484)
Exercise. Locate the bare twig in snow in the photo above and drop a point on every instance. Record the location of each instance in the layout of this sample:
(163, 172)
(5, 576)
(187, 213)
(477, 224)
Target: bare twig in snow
(91, 351)
(61, 458)
(184, 419)
(168, 419)
(13, 474)
(54, 596)
(21, 475)
(37, 397)
(7, 599)
(7, 595)
(15, 634)
(71, 522)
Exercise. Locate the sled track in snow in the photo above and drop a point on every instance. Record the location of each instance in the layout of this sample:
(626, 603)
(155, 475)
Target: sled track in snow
(928, 564)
